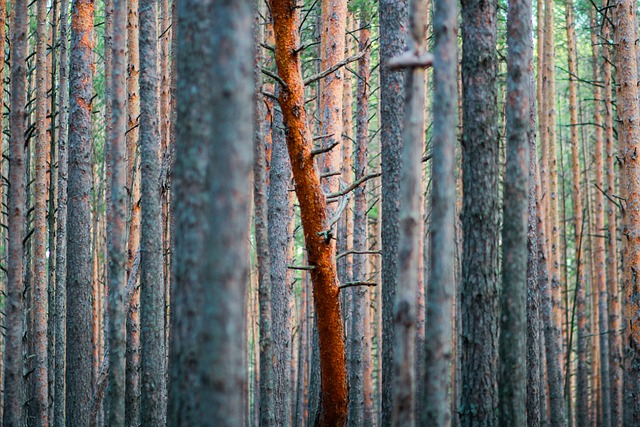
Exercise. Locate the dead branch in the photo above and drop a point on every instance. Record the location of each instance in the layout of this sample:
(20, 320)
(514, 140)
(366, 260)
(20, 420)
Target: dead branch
(352, 284)
(353, 186)
(353, 252)
(321, 150)
(410, 59)
(334, 68)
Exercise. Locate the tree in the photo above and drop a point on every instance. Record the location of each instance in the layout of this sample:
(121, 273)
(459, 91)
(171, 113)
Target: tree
(79, 349)
(513, 319)
(115, 408)
(153, 352)
(316, 222)
(61, 226)
(439, 296)
(404, 313)
(211, 208)
(40, 223)
(14, 384)
(479, 293)
(394, 15)
(625, 33)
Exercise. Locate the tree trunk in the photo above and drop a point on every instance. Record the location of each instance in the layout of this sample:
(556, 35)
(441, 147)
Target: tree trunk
(436, 408)
(115, 408)
(394, 24)
(479, 304)
(211, 208)
(152, 405)
(615, 344)
(315, 222)
(513, 318)
(582, 397)
(132, 396)
(61, 226)
(625, 32)
(599, 281)
(14, 384)
(278, 219)
(41, 379)
(360, 294)
(79, 349)
(404, 314)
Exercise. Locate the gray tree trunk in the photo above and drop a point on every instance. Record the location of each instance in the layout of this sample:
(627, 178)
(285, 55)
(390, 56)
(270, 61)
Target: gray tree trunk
(116, 223)
(278, 220)
(211, 208)
(153, 403)
(14, 384)
(79, 271)
(439, 295)
(394, 23)
(480, 223)
(513, 319)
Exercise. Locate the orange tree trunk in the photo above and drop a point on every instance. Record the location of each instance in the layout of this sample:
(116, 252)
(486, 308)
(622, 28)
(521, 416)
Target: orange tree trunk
(313, 209)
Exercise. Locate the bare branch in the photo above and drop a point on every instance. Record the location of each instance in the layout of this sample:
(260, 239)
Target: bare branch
(274, 76)
(301, 267)
(353, 186)
(353, 252)
(352, 284)
(321, 150)
(410, 59)
(333, 68)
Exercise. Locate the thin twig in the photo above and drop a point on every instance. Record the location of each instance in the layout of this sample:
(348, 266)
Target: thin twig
(352, 252)
(351, 284)
(333, 68)
(353, 186)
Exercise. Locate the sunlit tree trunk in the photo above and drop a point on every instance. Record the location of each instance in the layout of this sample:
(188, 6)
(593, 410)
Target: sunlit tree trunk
(613, 299)
(41, 310)
(625, 32)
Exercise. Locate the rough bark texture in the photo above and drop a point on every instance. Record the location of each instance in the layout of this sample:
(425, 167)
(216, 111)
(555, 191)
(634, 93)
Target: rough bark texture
(600, 284)
(441, 287)
(262, 128)
(333, 21)
(535, 367)
(513, 318)
(132, 377)
(79, 348)
(404, 313)
(14, 385)
(360, 294)
(479, 294)
(212, 206)
(116, 221)
(315, 221)
(153, 356)
(393, 34)
(625, 33)
(61, 226)
(40, 308)
(615, 344)
(278, 219)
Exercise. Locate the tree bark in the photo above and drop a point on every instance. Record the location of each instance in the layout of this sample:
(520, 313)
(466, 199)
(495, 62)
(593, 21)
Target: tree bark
(153, 353)
(443, 198)
(116, 232)
(315, 221)
(360, 294)
(513, 319)
(41, 310)
(625, 32)
(14, 384)
(79, 348)
(61, 226)
(211, 208)
(479, 294)
(394, 25)
(615, 343)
